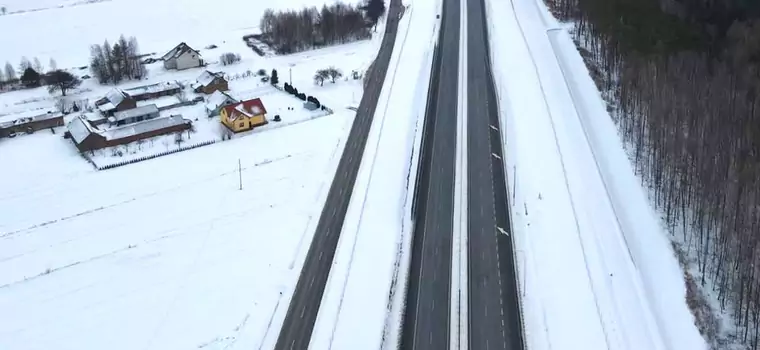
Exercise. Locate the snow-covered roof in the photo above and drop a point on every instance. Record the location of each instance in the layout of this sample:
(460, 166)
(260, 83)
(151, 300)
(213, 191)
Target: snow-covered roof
(178, 51)
(250, 108)
(144, 127)
(217, 99)
(115, 96)
(153, 88)
(27, 117)
(108, 106)
(135, 112)
(207, 78)
(80, 128)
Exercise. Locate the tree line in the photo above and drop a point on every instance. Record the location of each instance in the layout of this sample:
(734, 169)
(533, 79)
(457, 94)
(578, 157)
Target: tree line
(293, 31)
(30, 73)
(683, 79)
(114, 64)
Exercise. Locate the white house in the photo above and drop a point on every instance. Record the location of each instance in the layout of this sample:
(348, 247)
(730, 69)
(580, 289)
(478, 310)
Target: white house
(182, 57)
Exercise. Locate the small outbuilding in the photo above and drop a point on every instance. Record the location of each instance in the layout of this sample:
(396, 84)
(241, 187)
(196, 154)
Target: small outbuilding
(217, 100)
(209, 82)
(134, 115)
(114, 101)
(87, 137)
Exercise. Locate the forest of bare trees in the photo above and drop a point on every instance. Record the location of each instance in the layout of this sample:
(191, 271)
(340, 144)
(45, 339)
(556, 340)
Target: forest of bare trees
(293, 31)
(683, 79)
(113, 64)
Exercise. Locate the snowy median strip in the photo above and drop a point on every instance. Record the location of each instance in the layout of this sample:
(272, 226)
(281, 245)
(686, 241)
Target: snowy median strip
(356, 301)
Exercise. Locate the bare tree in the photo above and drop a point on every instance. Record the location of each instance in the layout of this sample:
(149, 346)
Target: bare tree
(229, 58)
(52, 65)
(62, 81)
(321, 76)
(334, 73)
(38, 66)
(24, 65)
(292, 31)
(10, 73)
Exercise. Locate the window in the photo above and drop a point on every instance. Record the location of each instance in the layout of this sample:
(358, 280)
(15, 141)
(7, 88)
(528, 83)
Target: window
(241, 125)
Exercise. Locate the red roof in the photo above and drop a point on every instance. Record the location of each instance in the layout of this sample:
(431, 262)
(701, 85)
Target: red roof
(248, 108)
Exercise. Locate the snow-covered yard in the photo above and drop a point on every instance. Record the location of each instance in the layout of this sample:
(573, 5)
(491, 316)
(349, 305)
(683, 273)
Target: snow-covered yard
(207, 129)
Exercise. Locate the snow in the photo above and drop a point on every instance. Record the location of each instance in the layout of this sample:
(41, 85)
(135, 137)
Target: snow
(79, 128)
(115, 97)
(160, 102)
(217, 99)
(152, 88)
(360, 308)
(596, 270)
(108, 106)
(163, 254)
(204, 79)
(134, 112)
(205, 129)
(158, 25)
(144, 127)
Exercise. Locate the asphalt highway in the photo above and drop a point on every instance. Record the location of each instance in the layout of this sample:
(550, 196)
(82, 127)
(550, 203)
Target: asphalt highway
(426, 318)
(493, 309)
(302, 312)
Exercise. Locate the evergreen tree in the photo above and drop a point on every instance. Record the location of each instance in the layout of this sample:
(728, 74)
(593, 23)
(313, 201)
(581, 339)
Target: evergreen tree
(274, 79)
(374, 10)
(30, 78)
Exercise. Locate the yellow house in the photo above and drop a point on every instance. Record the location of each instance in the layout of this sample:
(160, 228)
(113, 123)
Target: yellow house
(244, 116)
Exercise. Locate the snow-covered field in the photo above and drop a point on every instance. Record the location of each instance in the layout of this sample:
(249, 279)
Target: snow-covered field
(163, 254)
(158, 26)
(166, 253)
(596, 270)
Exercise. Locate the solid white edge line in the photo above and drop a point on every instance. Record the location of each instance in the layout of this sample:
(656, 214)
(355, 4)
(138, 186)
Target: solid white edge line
(454, 296)
(464, 275)
(461, 181)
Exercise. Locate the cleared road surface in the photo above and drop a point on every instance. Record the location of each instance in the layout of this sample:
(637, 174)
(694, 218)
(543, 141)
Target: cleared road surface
(426, 319)
(493, 309)
(304, 305)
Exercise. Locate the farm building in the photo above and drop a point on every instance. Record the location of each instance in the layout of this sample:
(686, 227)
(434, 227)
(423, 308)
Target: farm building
(87, 137)
(152, 91)
(209, 82)
(115, 101)
(244, 116)
(182, 57)
(134, 115)
(216, 101)
(26, 123)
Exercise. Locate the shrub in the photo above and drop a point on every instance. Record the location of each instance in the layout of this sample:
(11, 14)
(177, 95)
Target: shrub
(229, 58)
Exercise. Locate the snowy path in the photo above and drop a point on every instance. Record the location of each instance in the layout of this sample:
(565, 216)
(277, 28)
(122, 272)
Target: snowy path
(576, 265)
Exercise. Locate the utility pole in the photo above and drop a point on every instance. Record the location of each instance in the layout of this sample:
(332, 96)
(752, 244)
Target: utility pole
(290, 73)
(240, 174)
